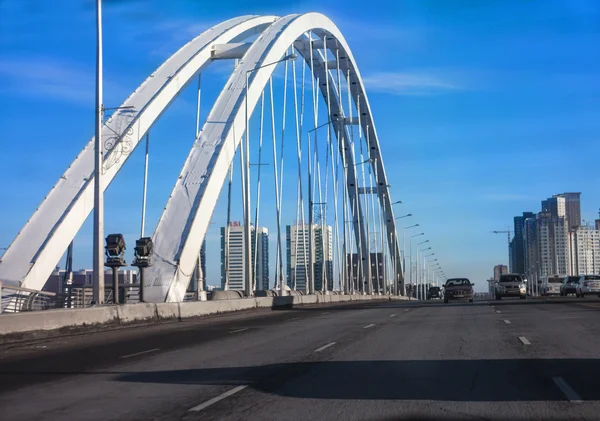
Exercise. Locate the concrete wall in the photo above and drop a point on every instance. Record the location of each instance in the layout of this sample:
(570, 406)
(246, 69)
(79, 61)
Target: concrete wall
(19, 325)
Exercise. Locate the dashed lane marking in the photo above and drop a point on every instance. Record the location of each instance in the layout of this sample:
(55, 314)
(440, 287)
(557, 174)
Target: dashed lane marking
(325, 347)
(217, 399)
(239, 330)
(524, 340)
(507, 322)
(368, 326)
(393, 315)
(140, 353)
(567, 390)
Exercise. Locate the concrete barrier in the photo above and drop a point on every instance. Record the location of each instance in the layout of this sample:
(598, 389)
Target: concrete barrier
(142, 312)
(18, 323)
(26, 325)
(169, 311)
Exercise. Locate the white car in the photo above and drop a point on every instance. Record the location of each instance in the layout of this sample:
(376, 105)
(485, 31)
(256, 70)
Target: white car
(551, 285)
(511, 285)
(589, 284)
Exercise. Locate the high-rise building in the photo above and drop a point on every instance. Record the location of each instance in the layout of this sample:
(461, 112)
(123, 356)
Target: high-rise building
(511, 255)
(553, 246)
(573, 209)
(530, 248)
(555, 205)
(585, 251)
(297, 245)
(499, 270)
(235, 267)
(518, 246)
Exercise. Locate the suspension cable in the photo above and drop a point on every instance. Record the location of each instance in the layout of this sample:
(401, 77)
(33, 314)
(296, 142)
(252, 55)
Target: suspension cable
(257, 209)
(277, 208)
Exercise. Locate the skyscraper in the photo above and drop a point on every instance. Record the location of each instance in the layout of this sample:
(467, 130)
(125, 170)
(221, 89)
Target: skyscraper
(499, 270)
(518, 248)
(573, 209)
(232, 263)
(530, 249)
(297, 245)
(552, 245)
(585, 251)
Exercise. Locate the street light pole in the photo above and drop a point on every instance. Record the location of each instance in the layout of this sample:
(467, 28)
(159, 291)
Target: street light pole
(418, 274)
(98, 163)
(410, 256)
(404, 252)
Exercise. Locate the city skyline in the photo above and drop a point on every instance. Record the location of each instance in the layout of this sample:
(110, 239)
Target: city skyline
(532, 113)
(554, 242)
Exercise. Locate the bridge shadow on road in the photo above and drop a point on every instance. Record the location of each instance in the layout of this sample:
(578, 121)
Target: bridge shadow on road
(446, 380)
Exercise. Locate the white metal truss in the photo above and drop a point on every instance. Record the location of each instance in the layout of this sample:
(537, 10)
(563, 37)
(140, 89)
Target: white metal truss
(183, 225)
(38, 247)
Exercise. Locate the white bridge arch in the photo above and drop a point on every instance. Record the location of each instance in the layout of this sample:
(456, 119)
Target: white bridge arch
(39, 246)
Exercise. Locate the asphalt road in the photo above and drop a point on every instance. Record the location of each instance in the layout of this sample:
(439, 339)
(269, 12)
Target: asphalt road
(524, 360)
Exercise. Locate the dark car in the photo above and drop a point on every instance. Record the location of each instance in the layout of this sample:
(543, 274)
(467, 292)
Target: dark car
(434, 292)
(458, 289)
(570, 285)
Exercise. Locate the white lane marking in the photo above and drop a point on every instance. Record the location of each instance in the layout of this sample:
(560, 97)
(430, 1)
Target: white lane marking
(292, 319)
(239, 330)
(567, 390)
(492, 306)
(408, 309)
(217, 399)
(368, 326)
(326, 312)
(507, 322)
(498, 311)
(140, 353)
(393, 315)
(524, 340)
(325, 347)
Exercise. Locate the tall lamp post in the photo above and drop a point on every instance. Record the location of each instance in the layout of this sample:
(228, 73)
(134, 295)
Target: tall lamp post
(410, 256)
(420, 269)
(98, 265)
(427, 264)
(395, 258)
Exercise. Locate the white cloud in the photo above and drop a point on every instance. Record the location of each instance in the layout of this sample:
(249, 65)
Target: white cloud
(41, 76)
(400, 83)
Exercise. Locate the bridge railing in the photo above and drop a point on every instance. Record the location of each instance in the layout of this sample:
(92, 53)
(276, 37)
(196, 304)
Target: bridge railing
(15, 299)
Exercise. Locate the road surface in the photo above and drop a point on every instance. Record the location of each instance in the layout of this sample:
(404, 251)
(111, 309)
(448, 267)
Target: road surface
(513, 359)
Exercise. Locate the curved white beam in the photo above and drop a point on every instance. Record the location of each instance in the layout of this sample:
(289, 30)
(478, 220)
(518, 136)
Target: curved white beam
(185, 219)
(38, 247)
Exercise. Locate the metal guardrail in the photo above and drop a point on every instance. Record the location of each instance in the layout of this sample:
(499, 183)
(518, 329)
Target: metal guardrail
(14, 299)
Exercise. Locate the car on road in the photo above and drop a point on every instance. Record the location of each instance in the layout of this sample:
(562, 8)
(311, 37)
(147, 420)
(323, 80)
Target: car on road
(589, 284)
(551, 285)
(434, 292)
(511, 285)
(570, 285)
(458, 289)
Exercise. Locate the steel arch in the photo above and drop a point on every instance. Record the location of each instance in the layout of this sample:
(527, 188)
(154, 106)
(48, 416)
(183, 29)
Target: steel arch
(40, 244)
(184, 222)
(38, 247)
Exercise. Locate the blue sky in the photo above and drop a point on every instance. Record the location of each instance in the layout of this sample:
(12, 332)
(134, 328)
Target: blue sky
(482, 108)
